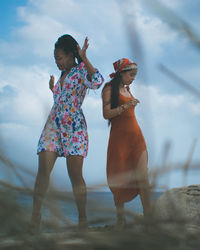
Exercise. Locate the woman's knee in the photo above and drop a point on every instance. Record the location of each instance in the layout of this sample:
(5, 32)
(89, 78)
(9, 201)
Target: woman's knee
(76, 177)
(74, 166)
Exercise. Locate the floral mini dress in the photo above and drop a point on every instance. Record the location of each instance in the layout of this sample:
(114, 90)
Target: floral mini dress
(65, 131)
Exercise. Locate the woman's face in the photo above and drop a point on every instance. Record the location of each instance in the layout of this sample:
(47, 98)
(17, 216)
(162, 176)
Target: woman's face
(128, 76)
(63, 60)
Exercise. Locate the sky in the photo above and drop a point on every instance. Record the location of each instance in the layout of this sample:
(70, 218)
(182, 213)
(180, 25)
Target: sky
(168, 113)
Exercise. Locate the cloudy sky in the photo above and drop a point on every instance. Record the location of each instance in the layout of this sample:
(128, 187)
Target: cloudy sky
(168, 113)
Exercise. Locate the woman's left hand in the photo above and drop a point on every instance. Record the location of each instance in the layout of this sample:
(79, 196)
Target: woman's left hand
(82, 52)
(132, 103)
(51, 82)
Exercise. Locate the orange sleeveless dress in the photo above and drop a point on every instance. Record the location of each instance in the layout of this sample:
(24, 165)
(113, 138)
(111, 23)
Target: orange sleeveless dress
(126, 144)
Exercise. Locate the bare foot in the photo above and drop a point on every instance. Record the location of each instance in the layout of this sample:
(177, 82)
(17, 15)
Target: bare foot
(121, 223)
(35, 223)
(83, 225)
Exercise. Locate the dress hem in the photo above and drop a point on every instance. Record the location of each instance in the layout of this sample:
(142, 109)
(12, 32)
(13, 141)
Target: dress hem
(59, 155)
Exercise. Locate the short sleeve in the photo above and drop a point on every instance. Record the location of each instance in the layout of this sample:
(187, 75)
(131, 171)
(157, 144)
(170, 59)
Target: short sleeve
(96, 81)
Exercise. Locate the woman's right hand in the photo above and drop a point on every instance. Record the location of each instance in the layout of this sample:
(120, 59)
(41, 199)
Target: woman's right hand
(51, 83)
(82, 52)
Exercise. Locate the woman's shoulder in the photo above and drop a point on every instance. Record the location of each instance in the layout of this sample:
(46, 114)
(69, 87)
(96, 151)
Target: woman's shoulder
(107, 86)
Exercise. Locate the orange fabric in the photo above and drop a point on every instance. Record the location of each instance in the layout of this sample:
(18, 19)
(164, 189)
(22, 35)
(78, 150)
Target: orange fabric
(126, 144)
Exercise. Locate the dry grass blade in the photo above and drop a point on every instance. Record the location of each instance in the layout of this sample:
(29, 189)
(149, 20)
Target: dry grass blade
(173, 20)
(188, 161)
(180, 81)
(5, 160)
(13, 188)
(131, 29)
(9, 164)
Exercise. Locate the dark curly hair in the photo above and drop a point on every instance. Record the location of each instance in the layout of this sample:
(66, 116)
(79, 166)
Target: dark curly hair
(68, 44)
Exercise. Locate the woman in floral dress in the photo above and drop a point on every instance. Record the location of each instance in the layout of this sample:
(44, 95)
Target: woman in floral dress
(65, 132)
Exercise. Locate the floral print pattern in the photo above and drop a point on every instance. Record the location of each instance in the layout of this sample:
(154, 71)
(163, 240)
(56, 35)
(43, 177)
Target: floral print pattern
(65, 131)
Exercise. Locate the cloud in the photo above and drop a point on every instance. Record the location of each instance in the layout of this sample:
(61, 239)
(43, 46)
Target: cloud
(25, 96)
(40, 28)
(163, 103)
(174, 4)
(154, 33)
(195, 108)
(167, 117)
(92, 103)
(44, 21)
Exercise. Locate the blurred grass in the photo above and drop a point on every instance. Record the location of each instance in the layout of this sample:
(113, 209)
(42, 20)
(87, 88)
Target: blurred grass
(57, 232)
(145, 233)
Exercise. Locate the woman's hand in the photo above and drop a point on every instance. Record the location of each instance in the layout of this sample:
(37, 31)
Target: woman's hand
(51, 83)
(82, 52)
(132, 103)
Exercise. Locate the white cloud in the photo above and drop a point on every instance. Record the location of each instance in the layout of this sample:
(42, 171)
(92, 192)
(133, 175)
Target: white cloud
(92, 108)
(163, 103)
(152, 32)
(195, 108)
(167, 117)
(174, 4)
(155, 33)
(44, 21)
(92, 103)
(32, 97)
(41, 30)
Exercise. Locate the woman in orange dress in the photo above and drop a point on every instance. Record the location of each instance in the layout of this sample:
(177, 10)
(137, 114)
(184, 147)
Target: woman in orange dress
(127, 157)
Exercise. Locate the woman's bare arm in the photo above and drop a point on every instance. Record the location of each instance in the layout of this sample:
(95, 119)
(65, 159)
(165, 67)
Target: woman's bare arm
(109, 113)
(82, 52)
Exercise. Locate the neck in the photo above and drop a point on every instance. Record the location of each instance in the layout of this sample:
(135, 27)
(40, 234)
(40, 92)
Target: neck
(68, 68)
(121, 85)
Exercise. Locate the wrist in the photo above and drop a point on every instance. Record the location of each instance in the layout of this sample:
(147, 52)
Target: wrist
(119, 110)
(123, 107)
(84, 58)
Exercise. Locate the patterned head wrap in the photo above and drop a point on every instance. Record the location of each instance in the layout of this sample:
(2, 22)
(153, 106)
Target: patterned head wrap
(123, 64)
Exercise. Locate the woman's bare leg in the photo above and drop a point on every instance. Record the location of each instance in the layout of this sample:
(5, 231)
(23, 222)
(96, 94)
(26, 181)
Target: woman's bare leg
(144, 182)
(121, 221)
(46, 163)
(74, 166)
